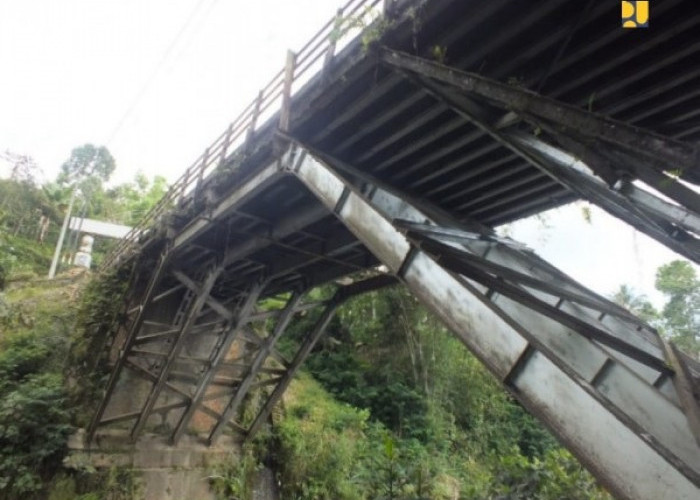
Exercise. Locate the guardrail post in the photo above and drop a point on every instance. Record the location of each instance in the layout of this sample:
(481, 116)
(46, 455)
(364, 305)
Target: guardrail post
(287, 91)
(202, 168)
(333, 37)
(227, 143)
(254, 119)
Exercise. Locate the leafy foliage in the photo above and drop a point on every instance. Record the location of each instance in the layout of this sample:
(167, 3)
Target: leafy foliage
(414, 416)
(22, 257)
(34, 426)
(679, 320)
(637, 304)
(681, 314)
(87, 162)
(318, 445)
(128, 203)
(35, 415)
(235, 478)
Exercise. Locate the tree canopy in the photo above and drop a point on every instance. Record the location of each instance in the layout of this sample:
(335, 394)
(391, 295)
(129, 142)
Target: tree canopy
(87, 161)
(681, 314)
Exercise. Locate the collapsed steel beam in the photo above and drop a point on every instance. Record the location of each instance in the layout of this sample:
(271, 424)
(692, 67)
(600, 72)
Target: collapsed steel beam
(496, 278)
(663, 221)
(619, 416)
(432, 240)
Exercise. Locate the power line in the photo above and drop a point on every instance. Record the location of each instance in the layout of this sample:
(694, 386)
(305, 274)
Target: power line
(159, 66)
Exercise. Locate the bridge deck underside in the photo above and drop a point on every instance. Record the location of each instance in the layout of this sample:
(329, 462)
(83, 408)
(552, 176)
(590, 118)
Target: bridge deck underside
(315, 253)
(381, 123)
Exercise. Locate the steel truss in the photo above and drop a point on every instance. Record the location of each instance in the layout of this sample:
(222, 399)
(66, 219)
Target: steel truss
(183, 384)
(595, 157)
(604, 382)
(599, 378)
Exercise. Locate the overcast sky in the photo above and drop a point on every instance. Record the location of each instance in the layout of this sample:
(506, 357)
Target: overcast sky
(158, 80)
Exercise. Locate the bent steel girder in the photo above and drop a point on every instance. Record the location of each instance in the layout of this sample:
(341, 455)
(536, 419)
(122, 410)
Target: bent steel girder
(596, 377)
(622, 152)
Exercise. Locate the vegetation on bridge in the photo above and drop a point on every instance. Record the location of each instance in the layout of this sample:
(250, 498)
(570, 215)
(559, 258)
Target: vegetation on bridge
(391, 405)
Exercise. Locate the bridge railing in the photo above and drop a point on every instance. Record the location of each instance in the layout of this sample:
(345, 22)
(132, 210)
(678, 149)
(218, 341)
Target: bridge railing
(343, 28)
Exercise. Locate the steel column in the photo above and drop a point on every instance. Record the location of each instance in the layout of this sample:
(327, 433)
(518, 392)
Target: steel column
(130, 338)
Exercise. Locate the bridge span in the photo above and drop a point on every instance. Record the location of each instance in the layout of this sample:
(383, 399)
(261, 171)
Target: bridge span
(388, 156)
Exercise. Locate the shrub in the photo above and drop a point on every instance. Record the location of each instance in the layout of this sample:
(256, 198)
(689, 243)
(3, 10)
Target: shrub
(33, 431)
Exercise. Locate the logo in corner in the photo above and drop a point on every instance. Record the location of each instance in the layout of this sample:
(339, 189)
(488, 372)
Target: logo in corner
(635, 14)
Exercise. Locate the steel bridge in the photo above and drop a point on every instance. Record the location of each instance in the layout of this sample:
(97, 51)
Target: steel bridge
(385, 151)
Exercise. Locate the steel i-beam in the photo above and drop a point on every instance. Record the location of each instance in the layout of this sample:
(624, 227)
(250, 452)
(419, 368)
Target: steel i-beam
(656, 147)
(661, 220)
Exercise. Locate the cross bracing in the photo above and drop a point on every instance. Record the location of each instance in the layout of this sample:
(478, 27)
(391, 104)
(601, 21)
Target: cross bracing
(394, 155)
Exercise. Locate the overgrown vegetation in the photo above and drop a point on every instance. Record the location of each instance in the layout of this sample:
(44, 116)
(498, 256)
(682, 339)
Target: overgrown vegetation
(35, 417)
(86, 360)
(115, 483)
(393, 407)
(51, 336)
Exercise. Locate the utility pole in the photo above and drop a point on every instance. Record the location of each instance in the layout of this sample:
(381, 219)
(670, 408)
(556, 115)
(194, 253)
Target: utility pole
(62, 235)
(66, 220)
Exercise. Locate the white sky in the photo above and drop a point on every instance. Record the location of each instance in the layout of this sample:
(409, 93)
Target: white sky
(71, 69)
(158, 80)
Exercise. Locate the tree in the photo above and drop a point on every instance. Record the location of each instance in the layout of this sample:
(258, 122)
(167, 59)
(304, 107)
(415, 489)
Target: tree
(681, 314)
(130, 201)
(23, 167)
(639, 305)
(87, 162)
(86, 168)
